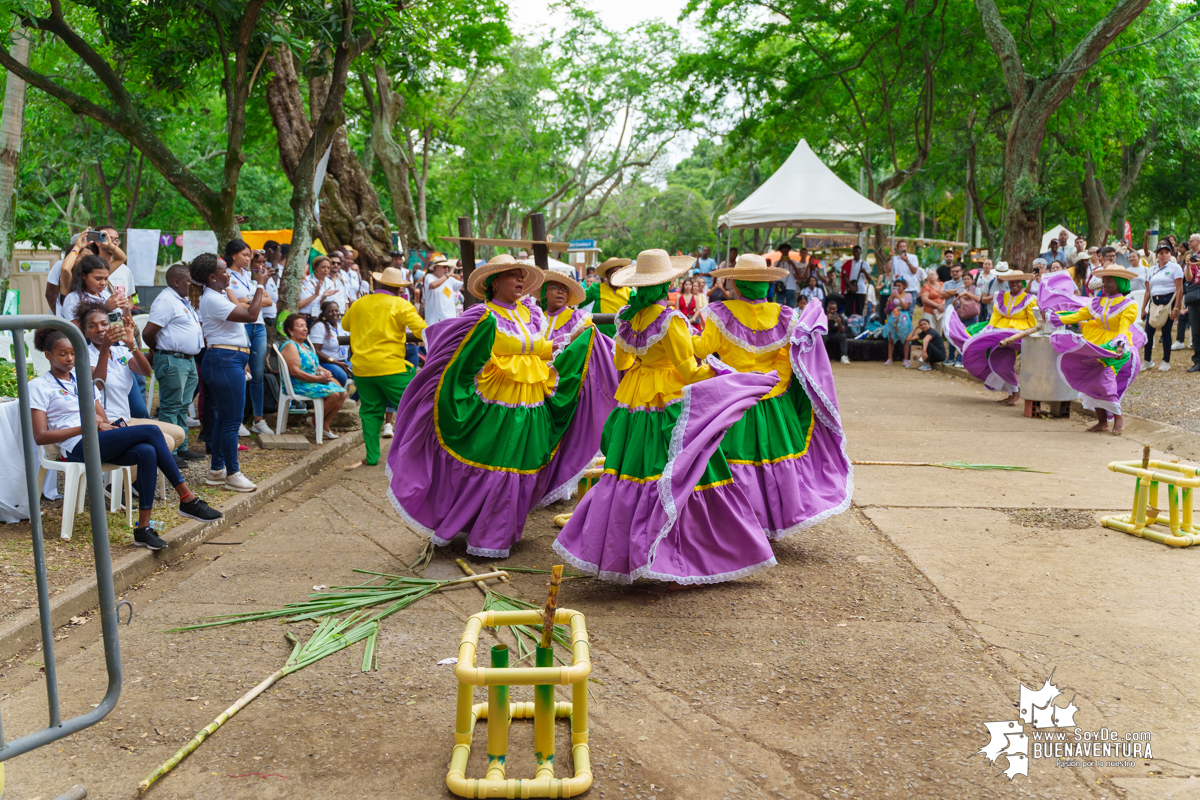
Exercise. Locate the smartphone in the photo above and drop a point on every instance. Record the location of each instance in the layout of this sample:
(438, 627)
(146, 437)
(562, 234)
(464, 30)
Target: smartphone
(97, 236)
(116, 321)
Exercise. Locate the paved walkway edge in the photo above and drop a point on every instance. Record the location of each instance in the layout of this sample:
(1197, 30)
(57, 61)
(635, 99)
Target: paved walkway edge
(24, 629)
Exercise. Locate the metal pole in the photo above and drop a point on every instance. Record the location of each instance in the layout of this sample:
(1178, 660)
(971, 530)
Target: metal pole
(466, 254)
(541, 252)
(35, 525)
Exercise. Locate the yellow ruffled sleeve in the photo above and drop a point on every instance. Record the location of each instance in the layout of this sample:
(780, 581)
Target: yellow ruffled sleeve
(707, 342)
(679, 348)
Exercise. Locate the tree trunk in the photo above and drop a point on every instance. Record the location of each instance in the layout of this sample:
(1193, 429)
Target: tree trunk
(1023, 198)
(385, 107)
(12, 126)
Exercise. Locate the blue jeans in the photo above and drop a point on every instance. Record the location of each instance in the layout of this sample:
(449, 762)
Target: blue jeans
(142, 446)
(224, 373)
(258, 365)
(789, 297)
(137, 398)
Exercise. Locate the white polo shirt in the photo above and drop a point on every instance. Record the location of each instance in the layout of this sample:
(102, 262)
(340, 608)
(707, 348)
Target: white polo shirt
(72, 301)
(215, 308)
(326, 345)
(60, 401)
(243, 286)
(309, 288)
(181, 331)
(272, 290)
(118, 381)
(1162, 279)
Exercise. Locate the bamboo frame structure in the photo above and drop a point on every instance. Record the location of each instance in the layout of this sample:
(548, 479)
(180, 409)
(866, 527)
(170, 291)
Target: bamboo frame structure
(1180, 481)
(499, 712)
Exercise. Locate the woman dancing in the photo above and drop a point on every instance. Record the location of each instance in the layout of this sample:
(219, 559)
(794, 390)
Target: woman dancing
(667, 506)
(790, 462)
(561, 296)
(1101, 361)
(984, 352)
(500, 418)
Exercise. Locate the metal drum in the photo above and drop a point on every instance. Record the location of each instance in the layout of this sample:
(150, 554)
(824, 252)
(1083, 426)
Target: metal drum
(1040, 379)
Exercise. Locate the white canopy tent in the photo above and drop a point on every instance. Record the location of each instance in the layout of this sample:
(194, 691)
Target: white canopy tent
(804, 193)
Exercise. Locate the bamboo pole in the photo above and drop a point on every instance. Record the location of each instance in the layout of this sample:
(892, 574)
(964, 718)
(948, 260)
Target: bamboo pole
(211, 728)
(551, 605)
(1016, 337)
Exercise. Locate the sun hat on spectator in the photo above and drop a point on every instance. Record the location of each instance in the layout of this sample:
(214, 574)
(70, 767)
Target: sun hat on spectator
(1006, 273)
(611, 264)
(391, 277)
(477, 284)
(575, 292)
(652, 268)
(751, 267)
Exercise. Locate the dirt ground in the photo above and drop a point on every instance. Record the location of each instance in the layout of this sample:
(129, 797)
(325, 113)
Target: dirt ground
(864, 665)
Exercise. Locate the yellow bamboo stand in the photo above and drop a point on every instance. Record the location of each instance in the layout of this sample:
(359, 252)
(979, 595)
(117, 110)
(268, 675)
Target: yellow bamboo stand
(499, 712)
(1180, 480)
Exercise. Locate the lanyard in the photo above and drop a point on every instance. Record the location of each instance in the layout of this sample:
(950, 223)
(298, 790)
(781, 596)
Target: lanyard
(73, 391)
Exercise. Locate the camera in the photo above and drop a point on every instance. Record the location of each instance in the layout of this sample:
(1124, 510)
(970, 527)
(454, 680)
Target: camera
(97, 236)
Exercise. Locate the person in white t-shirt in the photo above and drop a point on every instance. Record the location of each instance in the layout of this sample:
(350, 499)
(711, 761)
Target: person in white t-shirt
(57, 420)
(115, 357)
(440, 289)
(1164, 291)
(224, 366)
(906, 267)
(323, 335)
(858, 281)
(316, 288)
(90, 284)
(175, 338)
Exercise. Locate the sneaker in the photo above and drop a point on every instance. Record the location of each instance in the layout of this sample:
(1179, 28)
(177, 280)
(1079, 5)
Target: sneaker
(239, 483)
(146, 537)
(216, 477)
(261, 427)
(192, 423)
(1164, 366)
(887, 363)
(1194, 368)
(387, 430)
(845, 359)
(329, 435)
(243, 431)
(1147, 365)
(198, 509)
(907, 364)
(1177, 346)
(180, 464)
(190, 455)
(925, 368)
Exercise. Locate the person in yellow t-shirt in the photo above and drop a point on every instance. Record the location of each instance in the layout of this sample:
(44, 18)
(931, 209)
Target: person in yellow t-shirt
(378, 324)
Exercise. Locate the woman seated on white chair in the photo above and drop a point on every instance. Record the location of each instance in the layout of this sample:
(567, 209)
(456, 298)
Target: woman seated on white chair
(54, 400)
(309, 379)
(115, 358)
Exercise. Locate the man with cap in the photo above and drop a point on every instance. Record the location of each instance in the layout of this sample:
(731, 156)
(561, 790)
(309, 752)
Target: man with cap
(378, 325)
(606, 298)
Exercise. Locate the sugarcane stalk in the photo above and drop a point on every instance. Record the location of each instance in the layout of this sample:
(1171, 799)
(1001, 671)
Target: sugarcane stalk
(551, 605)
(211, 728)
(1016, 337)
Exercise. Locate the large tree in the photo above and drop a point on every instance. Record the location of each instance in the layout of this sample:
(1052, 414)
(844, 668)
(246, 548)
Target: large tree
(130, 72)
(1035, 94)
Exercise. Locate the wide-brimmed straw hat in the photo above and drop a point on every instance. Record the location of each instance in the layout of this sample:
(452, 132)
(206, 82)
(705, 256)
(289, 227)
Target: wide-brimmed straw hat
(751, 267)
(611, 264)
(575, 292)
(391, 277)
(1007, 273)
(652, 268)
(1114, 272)
(476, 285)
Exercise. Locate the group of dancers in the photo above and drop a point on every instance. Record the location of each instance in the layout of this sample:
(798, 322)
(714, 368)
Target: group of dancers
(714, 441)
(1099, 361)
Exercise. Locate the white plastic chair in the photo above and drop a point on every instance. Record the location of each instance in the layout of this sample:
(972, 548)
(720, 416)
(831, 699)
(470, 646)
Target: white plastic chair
(41, 364)
(286, 395)
(73, 492)
(140, 320)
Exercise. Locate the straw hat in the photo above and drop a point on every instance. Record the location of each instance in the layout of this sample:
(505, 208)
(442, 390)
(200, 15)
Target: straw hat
(751, 267)
(1006, 273)
(1114, 272)
(611, 264)
(652, 268)
(575, 292)
(391, 277)
(502, 263)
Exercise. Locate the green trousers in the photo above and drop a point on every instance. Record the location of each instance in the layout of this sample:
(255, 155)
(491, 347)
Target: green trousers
(375, 393)
(177, 381)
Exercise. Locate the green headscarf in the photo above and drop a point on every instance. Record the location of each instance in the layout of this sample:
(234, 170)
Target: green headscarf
(1123, 285)
(752, 290)
(643, 297)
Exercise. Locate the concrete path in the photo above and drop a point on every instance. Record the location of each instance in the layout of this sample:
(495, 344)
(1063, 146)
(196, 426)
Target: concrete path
(864, 665)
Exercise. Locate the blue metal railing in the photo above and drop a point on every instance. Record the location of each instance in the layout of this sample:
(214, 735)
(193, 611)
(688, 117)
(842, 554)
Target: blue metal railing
(58, 728)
